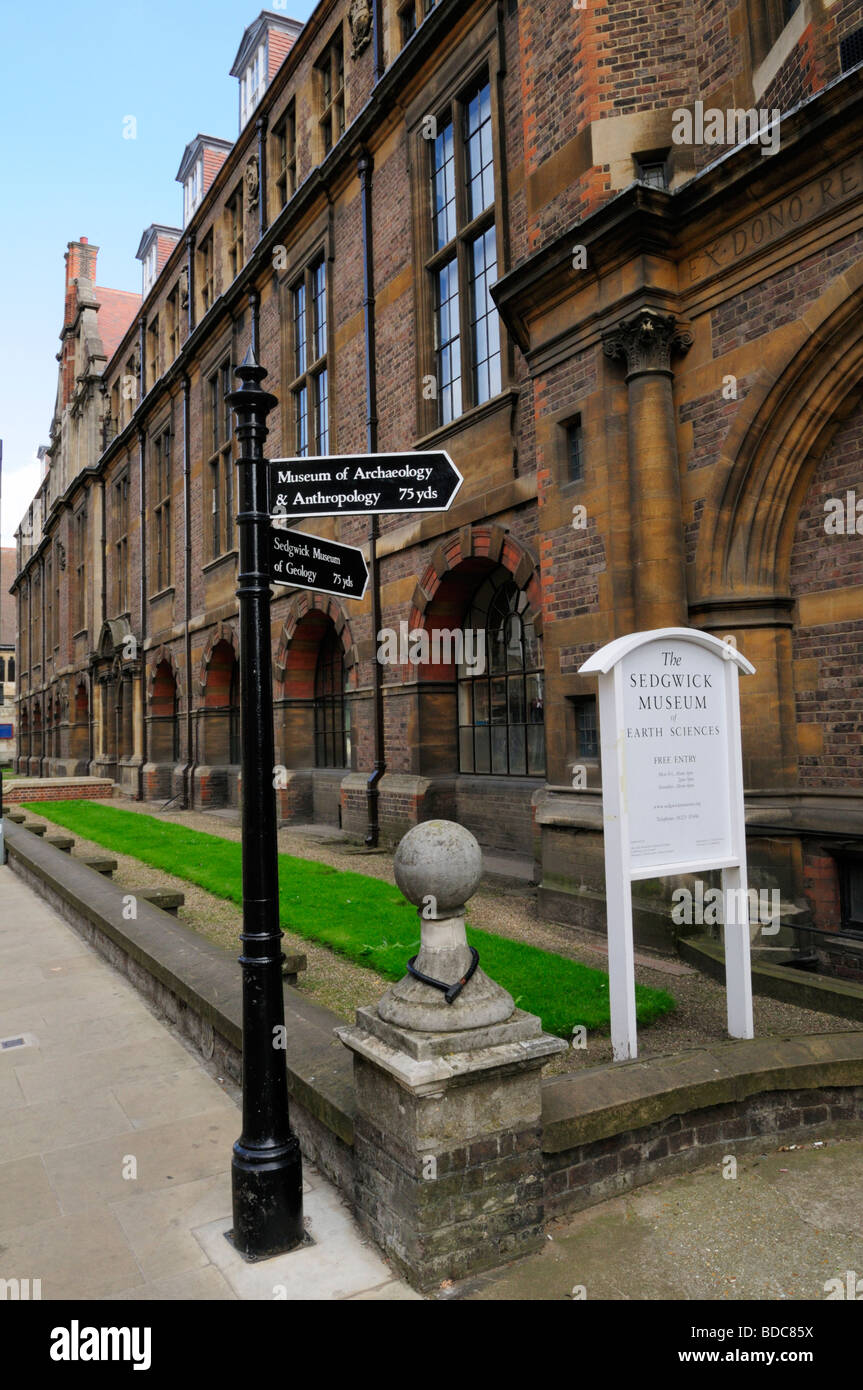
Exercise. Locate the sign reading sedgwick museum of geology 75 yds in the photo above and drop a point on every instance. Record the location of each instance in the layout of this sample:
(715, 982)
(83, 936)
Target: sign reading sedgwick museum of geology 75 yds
(672, 794)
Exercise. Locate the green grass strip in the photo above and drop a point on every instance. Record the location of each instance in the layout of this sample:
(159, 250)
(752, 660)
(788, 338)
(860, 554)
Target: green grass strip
(362, 918)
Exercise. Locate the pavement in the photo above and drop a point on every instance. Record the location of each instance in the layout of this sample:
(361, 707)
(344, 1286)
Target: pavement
(115, 1144)
(785, 1224)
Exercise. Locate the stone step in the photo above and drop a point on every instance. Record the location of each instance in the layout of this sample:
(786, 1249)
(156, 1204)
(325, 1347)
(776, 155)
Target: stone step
(37, 827)
(100, 864)
(166, 898)
(292, 963)
(63, 842)
(17, 817)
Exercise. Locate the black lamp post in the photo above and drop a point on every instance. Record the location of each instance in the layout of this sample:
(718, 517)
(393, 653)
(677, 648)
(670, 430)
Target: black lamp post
(266, 1170)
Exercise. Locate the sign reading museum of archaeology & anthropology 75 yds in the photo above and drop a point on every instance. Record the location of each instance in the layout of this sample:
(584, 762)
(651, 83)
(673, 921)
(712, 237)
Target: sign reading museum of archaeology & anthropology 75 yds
(672, 793)
(347, 485)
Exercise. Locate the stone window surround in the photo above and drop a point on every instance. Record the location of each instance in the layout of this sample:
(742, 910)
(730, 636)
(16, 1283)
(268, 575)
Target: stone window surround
(479, 52)
(315, 244)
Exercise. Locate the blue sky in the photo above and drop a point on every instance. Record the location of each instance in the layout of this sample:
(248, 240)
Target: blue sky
(70, 76)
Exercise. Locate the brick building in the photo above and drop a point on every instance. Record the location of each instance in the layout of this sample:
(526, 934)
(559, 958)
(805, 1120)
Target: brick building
(562, 243)
(8, 621)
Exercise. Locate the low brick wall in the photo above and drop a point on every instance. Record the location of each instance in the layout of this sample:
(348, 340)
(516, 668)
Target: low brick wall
(71, 789)
(580, 1177)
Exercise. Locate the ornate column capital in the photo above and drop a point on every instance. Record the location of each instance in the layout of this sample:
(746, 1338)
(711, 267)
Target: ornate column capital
(646, 341)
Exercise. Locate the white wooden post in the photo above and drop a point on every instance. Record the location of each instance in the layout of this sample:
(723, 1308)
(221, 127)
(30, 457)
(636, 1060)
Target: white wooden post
(618, 893)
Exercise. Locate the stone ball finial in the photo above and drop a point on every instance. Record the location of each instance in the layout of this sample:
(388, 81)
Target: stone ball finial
(438, 859)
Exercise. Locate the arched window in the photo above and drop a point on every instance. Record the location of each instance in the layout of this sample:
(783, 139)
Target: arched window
(332, 739)
(164, 725)
(3, 670)
(222, 708)
(500, 697)
(10, 673)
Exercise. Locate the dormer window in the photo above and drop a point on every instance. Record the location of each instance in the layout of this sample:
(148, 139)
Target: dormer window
(202, 159)
(150, 262)
(253, 83)
(264, 47)
(193, 188)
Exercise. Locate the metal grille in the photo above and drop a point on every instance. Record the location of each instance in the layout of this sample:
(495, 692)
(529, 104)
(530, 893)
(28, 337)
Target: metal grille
(851, 50)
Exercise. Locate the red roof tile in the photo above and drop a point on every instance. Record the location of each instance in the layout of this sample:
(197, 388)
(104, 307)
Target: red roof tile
(117, 308)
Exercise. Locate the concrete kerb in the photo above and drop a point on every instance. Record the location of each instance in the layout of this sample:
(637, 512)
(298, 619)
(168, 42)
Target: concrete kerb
(603, 1130)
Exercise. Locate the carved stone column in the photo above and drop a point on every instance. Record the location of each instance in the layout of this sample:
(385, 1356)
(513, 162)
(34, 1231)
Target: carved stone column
(646, 342)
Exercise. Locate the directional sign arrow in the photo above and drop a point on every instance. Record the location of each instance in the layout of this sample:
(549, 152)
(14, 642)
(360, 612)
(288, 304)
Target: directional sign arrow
(350, 484)
(312, 563)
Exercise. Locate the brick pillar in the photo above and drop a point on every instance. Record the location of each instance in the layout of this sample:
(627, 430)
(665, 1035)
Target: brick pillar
(645, 342)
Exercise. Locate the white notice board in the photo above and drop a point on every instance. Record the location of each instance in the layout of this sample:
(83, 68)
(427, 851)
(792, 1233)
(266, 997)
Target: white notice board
(672, 787)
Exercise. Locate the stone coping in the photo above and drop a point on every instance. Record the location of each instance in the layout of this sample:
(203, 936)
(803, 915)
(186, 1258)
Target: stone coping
(9, 782)
(206, 977)
(582, 1107)
(823, 993)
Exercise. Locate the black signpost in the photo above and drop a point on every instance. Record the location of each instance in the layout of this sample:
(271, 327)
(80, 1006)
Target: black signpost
(350, 485)
(266, 1171)
(312, 563)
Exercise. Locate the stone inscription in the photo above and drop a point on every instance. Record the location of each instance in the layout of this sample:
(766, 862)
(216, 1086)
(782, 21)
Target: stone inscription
(777, 219)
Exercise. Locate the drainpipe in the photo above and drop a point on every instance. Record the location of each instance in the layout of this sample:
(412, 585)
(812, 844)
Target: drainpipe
(255, 316)
(189, 770)
(190, 276)
(261, 127)
(364, 172)
(142, 353)
(377, 41)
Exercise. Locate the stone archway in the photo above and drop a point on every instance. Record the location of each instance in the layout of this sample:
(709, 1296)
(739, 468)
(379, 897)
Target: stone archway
(314, 730)
(79, 733)
(455, 570)
(742, 563)
(218, 752)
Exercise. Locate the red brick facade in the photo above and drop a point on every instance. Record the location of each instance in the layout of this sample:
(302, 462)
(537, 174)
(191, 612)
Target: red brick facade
(758, 260)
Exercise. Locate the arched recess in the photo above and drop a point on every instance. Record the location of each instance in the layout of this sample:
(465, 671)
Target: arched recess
(24, 739)
(219, 739)
(223, 633)
(455, 574)
(36, 751)
(53, 726)
(10, 670)
(741, 576)
(162, 711)
(315, 668)
(780, 433)
(79, 733)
